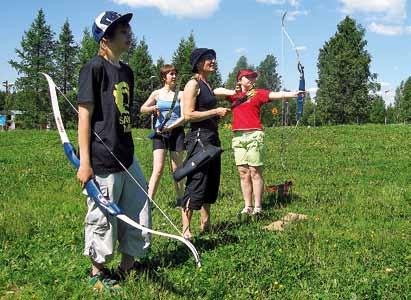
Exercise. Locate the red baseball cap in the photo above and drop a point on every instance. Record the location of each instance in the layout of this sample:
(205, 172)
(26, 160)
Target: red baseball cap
(246, 72)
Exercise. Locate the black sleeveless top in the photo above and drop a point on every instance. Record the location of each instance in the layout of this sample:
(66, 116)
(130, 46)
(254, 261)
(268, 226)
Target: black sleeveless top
(206, 100)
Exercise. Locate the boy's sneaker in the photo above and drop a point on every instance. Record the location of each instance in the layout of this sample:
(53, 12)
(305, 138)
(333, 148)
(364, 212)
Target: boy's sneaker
(102, 281)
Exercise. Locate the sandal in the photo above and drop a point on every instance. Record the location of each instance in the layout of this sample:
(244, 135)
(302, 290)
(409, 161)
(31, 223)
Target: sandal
(247, 210)
(102, 281)
(257, 210)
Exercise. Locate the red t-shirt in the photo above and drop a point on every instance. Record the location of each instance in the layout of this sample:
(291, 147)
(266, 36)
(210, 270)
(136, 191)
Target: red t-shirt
(246, 116)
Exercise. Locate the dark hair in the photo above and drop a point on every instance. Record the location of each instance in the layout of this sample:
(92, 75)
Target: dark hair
(167, 68)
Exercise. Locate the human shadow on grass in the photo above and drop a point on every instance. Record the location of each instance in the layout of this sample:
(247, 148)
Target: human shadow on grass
(180, 255)
(279, 201)
(218, 235)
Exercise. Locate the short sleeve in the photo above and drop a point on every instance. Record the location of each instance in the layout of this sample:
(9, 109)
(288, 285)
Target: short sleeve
(263, 96)
(88, 83)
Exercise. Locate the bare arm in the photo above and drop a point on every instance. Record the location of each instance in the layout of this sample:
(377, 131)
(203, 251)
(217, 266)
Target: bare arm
(150, 105)
(85, 172)
(224, 92)
(190, 114)
(282, 95)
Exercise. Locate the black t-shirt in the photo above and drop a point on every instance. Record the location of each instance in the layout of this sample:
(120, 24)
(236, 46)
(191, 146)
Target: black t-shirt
(110, 89)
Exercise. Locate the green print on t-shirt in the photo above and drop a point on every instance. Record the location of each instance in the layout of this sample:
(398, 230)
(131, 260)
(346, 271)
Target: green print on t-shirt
(122, 96)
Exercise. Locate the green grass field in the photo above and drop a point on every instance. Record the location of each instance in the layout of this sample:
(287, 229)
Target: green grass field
(353, 182)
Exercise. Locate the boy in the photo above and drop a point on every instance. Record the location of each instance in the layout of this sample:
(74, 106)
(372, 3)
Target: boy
(104, 98)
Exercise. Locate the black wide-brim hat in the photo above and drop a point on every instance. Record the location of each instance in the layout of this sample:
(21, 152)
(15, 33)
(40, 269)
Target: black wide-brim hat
(196, 55)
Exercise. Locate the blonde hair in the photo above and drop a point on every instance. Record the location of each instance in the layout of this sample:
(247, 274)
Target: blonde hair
(102, 51)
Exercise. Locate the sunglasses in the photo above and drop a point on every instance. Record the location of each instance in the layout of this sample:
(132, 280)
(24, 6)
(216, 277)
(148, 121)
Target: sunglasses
(208, 56)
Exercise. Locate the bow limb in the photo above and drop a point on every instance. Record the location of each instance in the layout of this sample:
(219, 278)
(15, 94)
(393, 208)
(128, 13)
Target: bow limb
(92, 187)
(300, 67)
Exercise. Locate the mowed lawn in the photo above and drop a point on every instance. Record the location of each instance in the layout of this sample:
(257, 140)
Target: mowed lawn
(353, 183)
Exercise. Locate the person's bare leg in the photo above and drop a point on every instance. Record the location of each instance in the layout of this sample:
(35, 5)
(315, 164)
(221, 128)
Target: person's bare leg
(205, 217)
(158, 166)
(186, 215)
(246, 185)
(96, 267)
(176, 161)
(258, 184)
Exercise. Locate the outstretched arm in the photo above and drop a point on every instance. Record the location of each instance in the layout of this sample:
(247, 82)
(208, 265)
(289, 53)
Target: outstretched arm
(190, 114)
(282, 95)
(223, 92)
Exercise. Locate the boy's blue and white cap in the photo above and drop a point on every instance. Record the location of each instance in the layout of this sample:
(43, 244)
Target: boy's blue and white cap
(105, 20)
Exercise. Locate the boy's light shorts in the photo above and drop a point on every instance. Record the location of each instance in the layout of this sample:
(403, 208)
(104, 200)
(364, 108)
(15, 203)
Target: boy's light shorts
(248, 148)
(102, 231)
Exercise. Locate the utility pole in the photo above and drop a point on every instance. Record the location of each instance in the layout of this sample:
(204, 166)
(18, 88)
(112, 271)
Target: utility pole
(7, 85)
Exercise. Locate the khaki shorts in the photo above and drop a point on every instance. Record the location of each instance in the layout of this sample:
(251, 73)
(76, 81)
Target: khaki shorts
(102, 230)
(248, 148)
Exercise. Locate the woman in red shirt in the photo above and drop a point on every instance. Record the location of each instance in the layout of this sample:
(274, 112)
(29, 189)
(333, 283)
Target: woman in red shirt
(248, 140)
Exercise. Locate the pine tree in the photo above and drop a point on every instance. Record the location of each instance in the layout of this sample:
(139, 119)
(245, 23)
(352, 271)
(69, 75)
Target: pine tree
(34, 56)
(399, 91)
(344, 76)
(308, 117)
(66, 60)
(181, 58)
(405, 102)
(232, 77)
(156, 80)
(391, 115)
(378, 111)
(269, 79)
(215, 79)
(142, 65)
(88, 48)
(125, 57)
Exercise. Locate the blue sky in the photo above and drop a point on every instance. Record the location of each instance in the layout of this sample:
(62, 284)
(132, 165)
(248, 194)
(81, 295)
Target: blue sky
(234, 28)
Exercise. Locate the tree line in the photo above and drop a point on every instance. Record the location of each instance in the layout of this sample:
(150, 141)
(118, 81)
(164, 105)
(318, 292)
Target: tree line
(347, 90)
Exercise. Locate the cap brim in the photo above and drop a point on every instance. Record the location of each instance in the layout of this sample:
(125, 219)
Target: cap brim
(126, 18)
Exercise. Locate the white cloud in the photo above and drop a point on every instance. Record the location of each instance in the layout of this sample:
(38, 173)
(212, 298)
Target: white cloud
(391, 30)
(240, 50)
(390, 10)
(291, 15)
(387, 92)
(313, 91)
(293, 3)
(384, 84)
(301, 48)
(179, 8)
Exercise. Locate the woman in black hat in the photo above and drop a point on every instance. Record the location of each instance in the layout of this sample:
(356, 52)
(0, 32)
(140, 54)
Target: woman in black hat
(200, 110)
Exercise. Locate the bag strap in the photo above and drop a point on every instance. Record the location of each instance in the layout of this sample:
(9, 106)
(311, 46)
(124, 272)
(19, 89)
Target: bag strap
(245, 98)
(173, 104)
